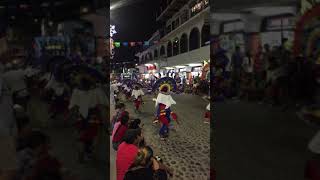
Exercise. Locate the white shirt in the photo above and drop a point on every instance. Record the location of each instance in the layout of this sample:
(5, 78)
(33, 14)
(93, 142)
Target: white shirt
(165, 99)
(126, 88)
(88, 99)
(247, 66)
(137, 93)
(56, 86)
(114, 88)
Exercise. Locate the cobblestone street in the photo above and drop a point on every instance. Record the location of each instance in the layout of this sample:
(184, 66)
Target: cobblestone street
(187, 150)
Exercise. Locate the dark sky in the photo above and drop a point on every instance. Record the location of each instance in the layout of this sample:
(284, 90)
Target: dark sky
(134, 22)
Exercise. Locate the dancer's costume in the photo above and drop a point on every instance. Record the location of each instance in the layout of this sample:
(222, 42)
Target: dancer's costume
(164, 113)
(127, 91)
(208, 113)
(137, 94)
(60, 102)
(89, 122)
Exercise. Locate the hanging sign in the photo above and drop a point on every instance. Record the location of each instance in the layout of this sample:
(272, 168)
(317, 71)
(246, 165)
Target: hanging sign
(56, 46)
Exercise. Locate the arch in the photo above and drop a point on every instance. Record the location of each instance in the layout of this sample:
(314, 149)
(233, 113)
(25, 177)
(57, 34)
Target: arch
(155, 54)
(145, 58)
(175, 50)
(162, 51)
(169, 49)
(205, 35)
(184, 43)
(194, 39)
(150, 56)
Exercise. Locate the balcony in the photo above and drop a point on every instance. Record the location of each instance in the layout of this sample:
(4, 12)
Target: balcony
(193, 20)
(171, 9)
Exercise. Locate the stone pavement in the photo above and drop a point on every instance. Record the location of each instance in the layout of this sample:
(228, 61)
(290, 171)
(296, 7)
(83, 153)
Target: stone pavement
(259, 142)
(187, 151)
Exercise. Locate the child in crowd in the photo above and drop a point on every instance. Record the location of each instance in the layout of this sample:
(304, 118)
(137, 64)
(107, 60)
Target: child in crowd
(120, 111)
(119, 131)
(135, 124)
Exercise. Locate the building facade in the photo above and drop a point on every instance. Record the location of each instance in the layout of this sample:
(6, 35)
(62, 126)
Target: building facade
(252, 25)
(183, 39)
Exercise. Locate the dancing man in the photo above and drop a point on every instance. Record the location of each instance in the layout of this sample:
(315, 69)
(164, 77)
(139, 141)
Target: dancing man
(164, 114)
(127, 91)
(137, 94)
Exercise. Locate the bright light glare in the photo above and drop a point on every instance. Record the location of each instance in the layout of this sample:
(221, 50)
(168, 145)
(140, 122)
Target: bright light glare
(195, 64)
(180, 66)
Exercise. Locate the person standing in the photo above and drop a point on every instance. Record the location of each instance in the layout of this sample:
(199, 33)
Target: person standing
(236, 64)
(137, 94)
(163, 104)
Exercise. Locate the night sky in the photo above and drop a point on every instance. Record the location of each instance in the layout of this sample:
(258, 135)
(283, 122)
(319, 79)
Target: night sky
(135, 21)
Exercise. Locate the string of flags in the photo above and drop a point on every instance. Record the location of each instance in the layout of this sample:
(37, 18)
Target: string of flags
(118, 44)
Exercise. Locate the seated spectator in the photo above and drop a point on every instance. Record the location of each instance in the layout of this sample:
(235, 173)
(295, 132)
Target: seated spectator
(119, 131)
(135, 124)
(127, 151)
(142, 167)
(148, 167)
(120, 111)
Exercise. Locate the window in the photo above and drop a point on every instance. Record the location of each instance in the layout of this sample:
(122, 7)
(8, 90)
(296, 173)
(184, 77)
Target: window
(155, 54)
(184, 43)
(168, 29)
(280, 23)
(185, 16)
(194, 39)
(205, 35)
(176, 46)
(169, 49)
(162, 51)
(233, 27)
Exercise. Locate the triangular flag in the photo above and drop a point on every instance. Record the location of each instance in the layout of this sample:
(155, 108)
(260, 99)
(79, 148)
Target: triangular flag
(117, 44)
(125, 44)
(155, 42)
(132, 44)
(140, 43)
(146, 43)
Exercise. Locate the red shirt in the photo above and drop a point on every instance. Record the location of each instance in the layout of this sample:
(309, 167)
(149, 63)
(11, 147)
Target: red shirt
(126, 155)
(119, 132)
